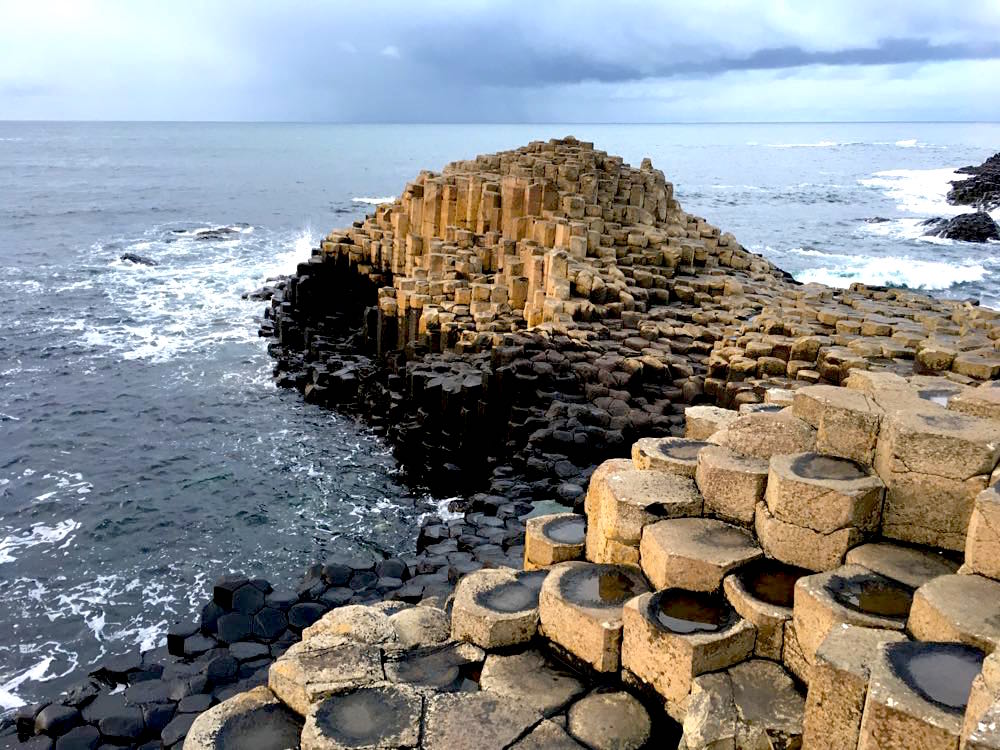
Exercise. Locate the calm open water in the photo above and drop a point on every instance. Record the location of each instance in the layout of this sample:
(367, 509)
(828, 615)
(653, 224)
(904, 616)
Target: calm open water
(143, 449)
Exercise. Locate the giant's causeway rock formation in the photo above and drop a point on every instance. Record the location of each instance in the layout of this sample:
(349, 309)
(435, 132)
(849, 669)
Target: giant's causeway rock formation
(786, 507)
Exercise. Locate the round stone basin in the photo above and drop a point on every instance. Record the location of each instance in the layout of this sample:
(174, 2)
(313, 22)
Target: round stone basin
(366, 717)
(600, 586)
(566, 530)
(872, 594)
(532, 579)
(817, 466)
(940, 673)
(682, 449)
(685, 612)
(771, 581)
(508, 597)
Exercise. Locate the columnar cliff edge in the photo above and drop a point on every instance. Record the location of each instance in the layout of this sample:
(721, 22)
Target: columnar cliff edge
(517, 327)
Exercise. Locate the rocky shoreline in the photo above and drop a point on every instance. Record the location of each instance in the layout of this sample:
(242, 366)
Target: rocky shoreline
(514, 326)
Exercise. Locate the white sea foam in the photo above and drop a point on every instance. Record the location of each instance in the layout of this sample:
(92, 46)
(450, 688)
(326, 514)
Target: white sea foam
(907, 143)
(52, 654)
(39, 533)
(818, 144)
(918, 191)
(374, 201)
(912, 273)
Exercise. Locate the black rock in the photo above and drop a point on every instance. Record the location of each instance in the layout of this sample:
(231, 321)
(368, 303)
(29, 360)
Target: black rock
(177, 729)
(233, 627)
(393, 568)
(197, 644)
(268, 624)
(335, 574)
(281, 600)
(225, 587)
(125, 724)
(363, 580)
(337, 596)
(138, 259)
(973, 227)
(248, 599)
(982, 189)
(178, 632)
(24, 717)
(182, 687)
(195, 704)
(82, 694)
(246, 651)
(210, 615)
(221, 669)
(303, 615)
(150, 691)
(157, 715)
(81, 738)
(56, 719)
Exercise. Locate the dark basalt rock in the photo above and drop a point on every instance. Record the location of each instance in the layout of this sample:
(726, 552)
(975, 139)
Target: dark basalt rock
(973, 227)
(982, 189)
(233, 627)
(138, 259)
(56, 719)
(305, 614)
(872, 594)
(81, 738)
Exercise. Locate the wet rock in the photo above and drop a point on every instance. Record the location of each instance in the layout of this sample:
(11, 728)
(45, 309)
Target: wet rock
(56, 719)
(378, 716)
(982, 189)
(140, 260)
(972, 227)
(445, 667)
(80, 738)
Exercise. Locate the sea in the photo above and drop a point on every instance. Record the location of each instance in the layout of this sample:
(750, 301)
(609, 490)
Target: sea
(144, 450)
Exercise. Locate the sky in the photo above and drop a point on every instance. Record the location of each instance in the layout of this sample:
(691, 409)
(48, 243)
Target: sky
(500, 60)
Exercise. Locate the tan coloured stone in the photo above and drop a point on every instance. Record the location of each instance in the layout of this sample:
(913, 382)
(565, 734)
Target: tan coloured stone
(984, 700)
(355, 621)
(821, 605)
(531, 678)
(553, 539)
(592, 500)
(580, 606)
(838, 685)
(847, 422)
(693, 553)
(897, 717)
(378, 716)
(982, 546)
(325, 664)
(823, 493)
(791, 654)
(911, 567)
(983, 401)
(702, 421)
(766, 434)
(609, 721)
(730, 484)
(958, 608)
(255, 718)
(547, 736)
(671, 454)
(421, 626)
(668, 661)
(492, 609)
(631, 499)
(802, 547)
(475, 721)
(767, 617)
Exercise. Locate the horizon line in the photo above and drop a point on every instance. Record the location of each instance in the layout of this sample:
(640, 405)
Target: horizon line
(509, 123)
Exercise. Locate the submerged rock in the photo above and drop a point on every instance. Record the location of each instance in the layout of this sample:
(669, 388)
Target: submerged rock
(138, 259)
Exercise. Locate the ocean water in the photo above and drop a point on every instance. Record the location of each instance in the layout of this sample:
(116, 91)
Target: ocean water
(144, 450)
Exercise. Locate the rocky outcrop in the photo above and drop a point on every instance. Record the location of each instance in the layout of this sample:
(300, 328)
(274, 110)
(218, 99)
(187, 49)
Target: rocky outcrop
(972, 227)
(982, 189)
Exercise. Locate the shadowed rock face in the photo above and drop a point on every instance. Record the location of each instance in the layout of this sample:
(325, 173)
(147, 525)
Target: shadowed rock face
(971, 227)
(772, 581)
(600, 586)
(982, 188)
(566, 530)
(872, 594)
(680, 611)
(941, 673)
(815, 466)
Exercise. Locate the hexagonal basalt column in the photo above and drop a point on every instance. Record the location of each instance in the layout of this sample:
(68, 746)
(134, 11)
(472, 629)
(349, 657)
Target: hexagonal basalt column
(982, 546)
(580, 607)
(847, 422)
(377, 716)
(766, 434)
(917, 695)
(325, 664)
(959, 608)
(763, 594)
(848, 595)
(981, 726)
(823, 493)
(554, 539)
(911, 567)
(701, 422)
(730, 483)
(493, 609)
(805, 548)
(838, 684)
(252, 719)
(671, 454)
(983, 401)
(672, 636)
(934, 463)
(694, 553)
(625, 502)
